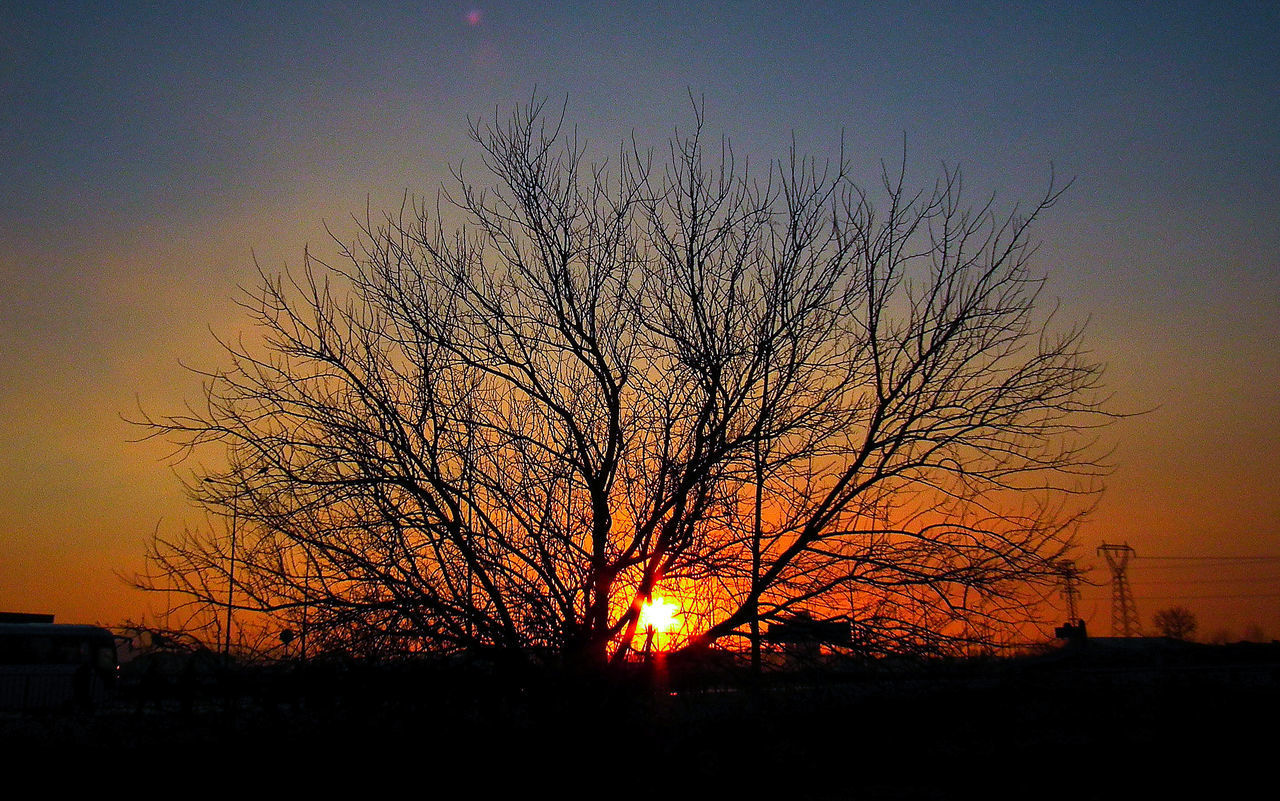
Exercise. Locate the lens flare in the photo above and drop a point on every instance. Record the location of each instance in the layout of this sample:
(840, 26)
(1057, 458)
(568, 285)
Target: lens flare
(660, 615)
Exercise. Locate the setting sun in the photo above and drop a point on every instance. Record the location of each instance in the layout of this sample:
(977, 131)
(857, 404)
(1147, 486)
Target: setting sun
(660, 615)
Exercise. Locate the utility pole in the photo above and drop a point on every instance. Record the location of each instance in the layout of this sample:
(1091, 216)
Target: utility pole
(231, 569)
(231, 579)
(757, 534)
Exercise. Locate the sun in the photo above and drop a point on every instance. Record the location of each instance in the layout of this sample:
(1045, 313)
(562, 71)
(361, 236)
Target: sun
(659, 614)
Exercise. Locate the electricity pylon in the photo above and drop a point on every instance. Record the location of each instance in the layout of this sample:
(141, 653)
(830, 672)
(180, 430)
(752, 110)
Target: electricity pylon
(1124, 612)
(1070, 589)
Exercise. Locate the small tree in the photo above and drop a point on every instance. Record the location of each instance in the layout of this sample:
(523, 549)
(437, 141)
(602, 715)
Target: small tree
(1177, 622)
(760, 394)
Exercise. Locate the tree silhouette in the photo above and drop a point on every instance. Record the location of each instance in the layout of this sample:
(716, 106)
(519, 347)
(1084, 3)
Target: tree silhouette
(1177, 622)
(512, 417)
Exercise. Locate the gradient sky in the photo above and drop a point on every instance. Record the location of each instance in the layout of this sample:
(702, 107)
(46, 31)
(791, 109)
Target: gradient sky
(149, 151)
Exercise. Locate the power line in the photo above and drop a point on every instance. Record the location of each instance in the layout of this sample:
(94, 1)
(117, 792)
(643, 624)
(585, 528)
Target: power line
(1208, 566)
(1206, 597)
(1234, 567)
(1243, 580)
(1214, 558)
(1169, 594)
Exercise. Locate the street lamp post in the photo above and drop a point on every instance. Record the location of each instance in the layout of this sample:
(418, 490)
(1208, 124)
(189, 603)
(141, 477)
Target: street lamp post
(231, 573)
(306, 597)
(231, 581)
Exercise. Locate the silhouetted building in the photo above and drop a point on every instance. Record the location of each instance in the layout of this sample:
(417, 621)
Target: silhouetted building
(803, 637)
(1071, 631)
(24, 617)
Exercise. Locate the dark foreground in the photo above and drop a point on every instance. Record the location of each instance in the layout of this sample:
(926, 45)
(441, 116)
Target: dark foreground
(1055, 731)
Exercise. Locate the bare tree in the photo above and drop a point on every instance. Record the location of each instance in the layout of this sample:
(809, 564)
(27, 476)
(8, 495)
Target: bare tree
(1177, 622)
(756, 394)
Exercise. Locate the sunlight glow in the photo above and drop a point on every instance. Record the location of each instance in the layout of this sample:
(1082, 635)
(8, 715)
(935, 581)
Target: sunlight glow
(660, 615)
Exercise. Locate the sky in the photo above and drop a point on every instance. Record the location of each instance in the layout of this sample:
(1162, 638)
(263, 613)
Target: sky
(152, 153)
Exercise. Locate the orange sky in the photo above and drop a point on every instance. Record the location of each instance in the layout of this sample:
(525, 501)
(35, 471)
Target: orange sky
(148, 154)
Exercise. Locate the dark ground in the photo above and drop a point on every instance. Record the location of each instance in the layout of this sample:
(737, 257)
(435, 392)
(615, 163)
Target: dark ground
(1059, 730)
